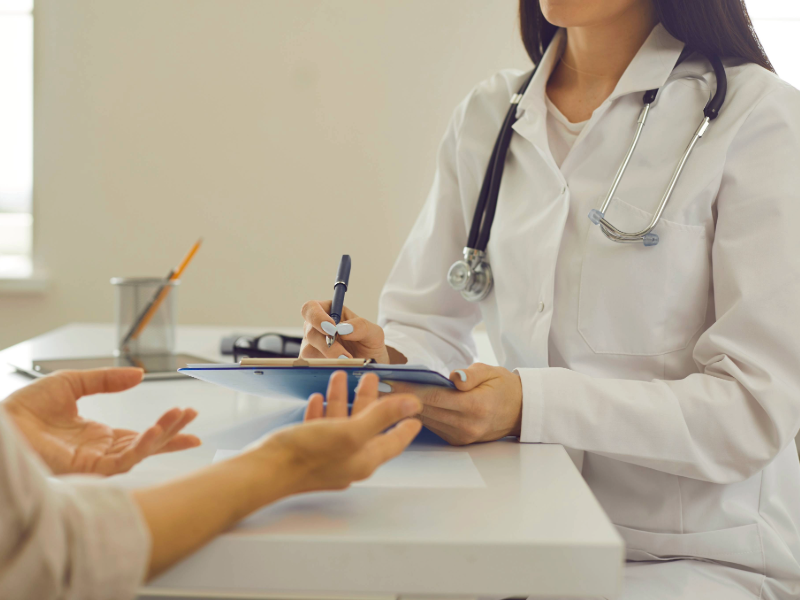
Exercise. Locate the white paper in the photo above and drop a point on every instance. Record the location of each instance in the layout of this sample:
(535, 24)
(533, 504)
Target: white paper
(416, 469)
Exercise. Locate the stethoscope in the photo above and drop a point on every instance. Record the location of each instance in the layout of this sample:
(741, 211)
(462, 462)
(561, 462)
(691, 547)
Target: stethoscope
(472, 276)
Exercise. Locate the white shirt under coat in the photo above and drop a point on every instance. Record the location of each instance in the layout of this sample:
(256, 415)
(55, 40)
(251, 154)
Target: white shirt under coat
(676, 368)
(561, 132)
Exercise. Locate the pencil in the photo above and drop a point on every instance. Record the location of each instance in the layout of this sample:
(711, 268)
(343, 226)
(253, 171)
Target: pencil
(159, 296)
(129, 336)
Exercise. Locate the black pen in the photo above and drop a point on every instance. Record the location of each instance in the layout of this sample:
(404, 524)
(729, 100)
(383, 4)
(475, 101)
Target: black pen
(339, 288)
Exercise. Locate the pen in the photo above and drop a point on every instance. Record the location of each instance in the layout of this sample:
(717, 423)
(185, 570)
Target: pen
(339, 288)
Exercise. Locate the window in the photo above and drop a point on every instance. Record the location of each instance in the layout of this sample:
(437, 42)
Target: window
(777, 23)
(16, 137)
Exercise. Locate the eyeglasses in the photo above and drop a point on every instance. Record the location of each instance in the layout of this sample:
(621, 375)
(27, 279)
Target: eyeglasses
(268, 345)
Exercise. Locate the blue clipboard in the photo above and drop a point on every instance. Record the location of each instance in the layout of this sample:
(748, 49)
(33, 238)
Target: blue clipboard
(300, 378)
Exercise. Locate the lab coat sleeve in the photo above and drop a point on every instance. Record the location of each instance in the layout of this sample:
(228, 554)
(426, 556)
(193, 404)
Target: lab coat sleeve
(76, 538)
(422, 317)
(728, 421)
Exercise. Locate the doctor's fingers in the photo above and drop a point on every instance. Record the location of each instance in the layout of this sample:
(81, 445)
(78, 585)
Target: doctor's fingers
(315, 313)
(317, 341)
(308, 351)
(433, 395)
(474, 375)
(358, 329)
(452, 418)
(449, 433)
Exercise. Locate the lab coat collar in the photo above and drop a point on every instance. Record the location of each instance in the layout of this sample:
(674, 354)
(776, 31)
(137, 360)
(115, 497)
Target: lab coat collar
(649, 69)
(537, 89)
(652, 65)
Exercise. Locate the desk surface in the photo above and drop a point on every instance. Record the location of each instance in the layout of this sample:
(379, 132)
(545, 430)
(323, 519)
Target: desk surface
(522, 522)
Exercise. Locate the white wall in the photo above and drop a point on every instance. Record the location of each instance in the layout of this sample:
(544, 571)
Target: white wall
(284, 132)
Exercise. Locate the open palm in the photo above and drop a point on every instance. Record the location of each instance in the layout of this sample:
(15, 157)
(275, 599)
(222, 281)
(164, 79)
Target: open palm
(46, 412)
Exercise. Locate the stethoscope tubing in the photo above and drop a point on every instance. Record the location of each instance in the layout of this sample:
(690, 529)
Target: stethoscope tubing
(497, 176)
(710, 112)
(473, 277)
(615, 234)
(486, 206)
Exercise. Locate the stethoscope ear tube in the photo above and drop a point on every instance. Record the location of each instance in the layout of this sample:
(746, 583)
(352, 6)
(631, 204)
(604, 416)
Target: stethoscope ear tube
(487, 199)
(504, 140)
(715, 104)
(480, 207)
(710, 112)
(472, 277)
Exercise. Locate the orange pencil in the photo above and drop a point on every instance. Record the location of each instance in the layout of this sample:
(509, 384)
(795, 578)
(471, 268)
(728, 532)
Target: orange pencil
(162, 293)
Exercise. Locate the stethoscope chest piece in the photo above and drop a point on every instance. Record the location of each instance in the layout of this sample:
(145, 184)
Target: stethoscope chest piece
(471, 276)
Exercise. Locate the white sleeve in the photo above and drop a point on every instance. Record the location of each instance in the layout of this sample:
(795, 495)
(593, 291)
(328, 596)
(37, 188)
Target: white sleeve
(728, 421)
(422, 316)
(77, 538)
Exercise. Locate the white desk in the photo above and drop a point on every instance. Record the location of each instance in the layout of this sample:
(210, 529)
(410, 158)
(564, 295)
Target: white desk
(533, 529)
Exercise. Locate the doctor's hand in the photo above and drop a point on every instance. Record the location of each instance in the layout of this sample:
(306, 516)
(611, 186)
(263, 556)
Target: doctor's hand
(486, 406)
(330, 450)
(357, 337)
(46, 412)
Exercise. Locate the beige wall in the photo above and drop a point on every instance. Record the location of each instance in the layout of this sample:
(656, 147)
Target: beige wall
(284, 132)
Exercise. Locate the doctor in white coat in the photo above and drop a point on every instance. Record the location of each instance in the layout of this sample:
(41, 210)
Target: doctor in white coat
(674, 368)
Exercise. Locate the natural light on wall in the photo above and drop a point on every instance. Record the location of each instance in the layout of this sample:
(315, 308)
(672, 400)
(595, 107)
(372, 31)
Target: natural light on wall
(16, 137)
(777, 23)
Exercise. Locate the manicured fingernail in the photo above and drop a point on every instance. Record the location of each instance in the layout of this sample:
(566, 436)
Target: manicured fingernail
(344, 328)
(384, 387)
(329, 328)
(343, 356)
(461, 374)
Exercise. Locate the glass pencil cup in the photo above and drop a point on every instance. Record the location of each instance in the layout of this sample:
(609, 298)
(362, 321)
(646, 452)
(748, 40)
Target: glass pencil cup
(145, 316)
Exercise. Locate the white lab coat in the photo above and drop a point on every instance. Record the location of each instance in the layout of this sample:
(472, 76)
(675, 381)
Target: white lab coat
(675, 368)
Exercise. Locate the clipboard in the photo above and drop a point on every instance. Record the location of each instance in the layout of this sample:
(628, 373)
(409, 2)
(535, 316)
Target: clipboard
(300, 377)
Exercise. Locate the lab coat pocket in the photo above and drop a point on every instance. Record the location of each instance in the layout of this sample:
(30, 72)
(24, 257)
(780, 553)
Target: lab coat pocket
(740, 546)
(638, 300)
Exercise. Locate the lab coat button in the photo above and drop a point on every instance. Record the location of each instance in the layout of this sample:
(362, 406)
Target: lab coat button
(541, 306)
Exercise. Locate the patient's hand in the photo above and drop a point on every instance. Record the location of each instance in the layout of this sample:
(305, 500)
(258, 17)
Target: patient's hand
(46, 412)
(331, 449)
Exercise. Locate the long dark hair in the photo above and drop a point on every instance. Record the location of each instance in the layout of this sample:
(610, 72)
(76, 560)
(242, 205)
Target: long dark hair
(717, 27)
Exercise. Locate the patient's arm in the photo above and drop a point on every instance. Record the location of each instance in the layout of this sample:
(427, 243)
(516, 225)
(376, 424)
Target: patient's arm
(84, 538)
(328, 452)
